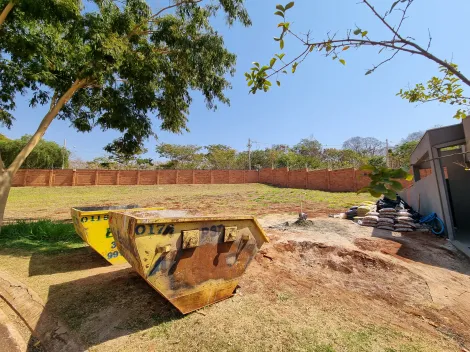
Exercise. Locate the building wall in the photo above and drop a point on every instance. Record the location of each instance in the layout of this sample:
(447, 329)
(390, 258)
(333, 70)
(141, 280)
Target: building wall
(423, 196)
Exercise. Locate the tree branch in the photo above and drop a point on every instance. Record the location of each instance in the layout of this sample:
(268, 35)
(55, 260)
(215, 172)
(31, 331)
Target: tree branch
(151, 18)
(5, 12)
(395, 33)
(46, 121)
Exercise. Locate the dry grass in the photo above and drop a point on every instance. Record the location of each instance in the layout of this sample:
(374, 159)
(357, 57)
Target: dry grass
(257, 199)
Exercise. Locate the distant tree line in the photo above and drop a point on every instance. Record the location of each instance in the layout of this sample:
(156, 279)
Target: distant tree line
(308, 153)
(46, 155)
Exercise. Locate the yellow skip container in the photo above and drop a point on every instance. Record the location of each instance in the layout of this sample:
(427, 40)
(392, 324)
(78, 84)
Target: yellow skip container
(92, 225)
(191, 261)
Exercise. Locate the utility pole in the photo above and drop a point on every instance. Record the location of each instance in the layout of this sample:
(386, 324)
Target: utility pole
(63, 153)
(387, 161)
(249, 154)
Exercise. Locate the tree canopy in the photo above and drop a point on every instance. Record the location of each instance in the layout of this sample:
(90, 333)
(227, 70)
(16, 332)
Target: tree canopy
(123, 63)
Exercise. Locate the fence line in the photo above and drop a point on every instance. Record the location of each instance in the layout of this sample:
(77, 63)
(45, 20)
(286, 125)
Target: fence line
(343, 180)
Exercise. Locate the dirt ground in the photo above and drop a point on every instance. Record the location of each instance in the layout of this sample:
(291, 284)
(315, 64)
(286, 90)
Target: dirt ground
(330, 286)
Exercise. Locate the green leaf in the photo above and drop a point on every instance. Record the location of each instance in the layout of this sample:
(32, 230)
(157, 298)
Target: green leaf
(393, 5)
(312, 47)
(294, 67)
(357, 31)
(367, 167)
(267, 83)
(278, 83)
(284, 72)
(395, 185)
(250, 82)
(281, 44)
(279, 13)
(374, 193)
(409, 177)
(368, 72)
(272, 62)
(280, 56)
(346, 47)
(280, 7)
(342, 61)
(255, 63)
(364, 33)
(289, 5)
(277, 39)
(390, 194)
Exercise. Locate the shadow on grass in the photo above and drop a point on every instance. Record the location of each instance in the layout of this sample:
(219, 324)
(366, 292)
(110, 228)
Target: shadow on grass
(103, 307)
(66, 261)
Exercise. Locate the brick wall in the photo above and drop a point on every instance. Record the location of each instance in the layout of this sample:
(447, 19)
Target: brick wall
(344, 180)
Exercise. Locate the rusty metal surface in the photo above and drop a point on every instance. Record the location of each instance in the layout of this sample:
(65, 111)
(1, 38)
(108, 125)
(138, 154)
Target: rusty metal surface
(192, 262)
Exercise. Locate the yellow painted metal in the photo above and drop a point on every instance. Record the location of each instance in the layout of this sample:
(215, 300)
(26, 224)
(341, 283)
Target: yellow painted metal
(91, 224)
(191, 261)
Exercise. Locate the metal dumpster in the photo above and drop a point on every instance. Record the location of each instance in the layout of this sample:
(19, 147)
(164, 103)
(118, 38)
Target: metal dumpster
(91, 224)
(191, 261)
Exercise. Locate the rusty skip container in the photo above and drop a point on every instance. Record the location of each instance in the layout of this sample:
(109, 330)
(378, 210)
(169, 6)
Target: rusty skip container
(191, 261)
(91, 224)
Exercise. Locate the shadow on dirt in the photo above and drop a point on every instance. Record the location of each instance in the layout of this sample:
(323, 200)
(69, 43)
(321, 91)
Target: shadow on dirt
(67, 261)
(417, 247)
(107, 306)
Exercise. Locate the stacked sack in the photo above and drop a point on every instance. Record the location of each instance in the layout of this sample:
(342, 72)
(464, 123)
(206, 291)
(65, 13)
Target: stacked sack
(387, 219)
(371, 219)
(404, 222)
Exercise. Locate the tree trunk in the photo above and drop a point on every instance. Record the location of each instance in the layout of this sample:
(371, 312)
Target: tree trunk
(6, 175)
(5, 185)
(6, 11)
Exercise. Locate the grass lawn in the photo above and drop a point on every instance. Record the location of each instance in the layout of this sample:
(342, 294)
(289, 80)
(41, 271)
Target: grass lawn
(250, 199)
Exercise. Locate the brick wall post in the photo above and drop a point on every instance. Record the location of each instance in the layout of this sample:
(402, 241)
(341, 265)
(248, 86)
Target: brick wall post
(138, 177)
(51, 177)
(74, 177)
(118, 177)
(25, 181)
(194, 178)
(97, 175)
(158, 177)
(328, 178)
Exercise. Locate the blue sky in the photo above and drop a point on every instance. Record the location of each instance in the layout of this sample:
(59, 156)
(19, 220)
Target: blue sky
(324, 99)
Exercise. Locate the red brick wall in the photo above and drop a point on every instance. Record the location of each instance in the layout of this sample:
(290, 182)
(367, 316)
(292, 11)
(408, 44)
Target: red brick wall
(298, 179)
(202, 177)
(318, 179)
(281, 177)
(220, 176)
(62, 177)
(252, 176)
(266, 176)
(147, 177)
(185, 177)
(167, 177)
(334, 180)
(105, 177)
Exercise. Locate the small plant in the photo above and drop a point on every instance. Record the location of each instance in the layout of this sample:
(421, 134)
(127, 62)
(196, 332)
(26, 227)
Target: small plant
(384, 181)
